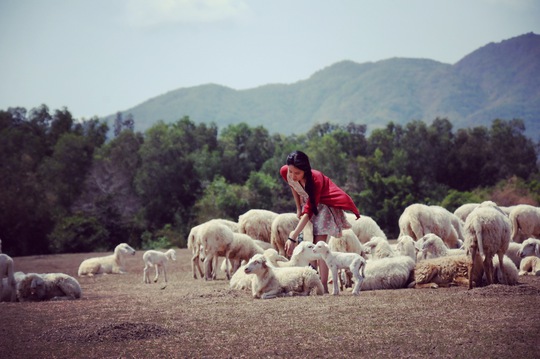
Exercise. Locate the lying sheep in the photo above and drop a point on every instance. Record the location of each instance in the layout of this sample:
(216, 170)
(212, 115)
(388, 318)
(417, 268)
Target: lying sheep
(379, 248)
(529, 265)
(113, 263)
(257, 223)
(364, 227)
(433, 247)
(7, 279)
(513, 252)
(388, 273)
(273, 282)
(510, 269)
(282, 225)
(49, 286)
(529, 252)
(447, 271)
(302, 255)
(152, 258)
(487, 232)
(525, 221)
(339, 260)
(405, 246)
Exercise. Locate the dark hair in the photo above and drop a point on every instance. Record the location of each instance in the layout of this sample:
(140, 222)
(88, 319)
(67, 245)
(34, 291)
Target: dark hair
(301, 161)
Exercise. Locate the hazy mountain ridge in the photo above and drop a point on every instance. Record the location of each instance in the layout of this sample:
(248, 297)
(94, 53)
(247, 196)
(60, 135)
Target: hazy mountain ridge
(499, 80)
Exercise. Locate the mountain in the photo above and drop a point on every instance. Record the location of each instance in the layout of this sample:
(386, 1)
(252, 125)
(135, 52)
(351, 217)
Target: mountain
(499, 80)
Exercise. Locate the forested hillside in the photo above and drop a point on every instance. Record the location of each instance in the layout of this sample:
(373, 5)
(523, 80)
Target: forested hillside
(64, 188)
(499, 80)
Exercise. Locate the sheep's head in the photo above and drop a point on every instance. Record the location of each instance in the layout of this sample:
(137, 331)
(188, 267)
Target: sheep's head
(530, 247)
(171, 254)
(255, 264)
(124, 249)
(321, 248)
(305, 249)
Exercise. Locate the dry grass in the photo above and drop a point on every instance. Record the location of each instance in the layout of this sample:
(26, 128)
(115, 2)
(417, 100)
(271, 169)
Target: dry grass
(120, 317)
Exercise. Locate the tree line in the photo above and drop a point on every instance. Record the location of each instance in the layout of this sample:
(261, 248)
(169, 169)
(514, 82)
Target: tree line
(66, 187)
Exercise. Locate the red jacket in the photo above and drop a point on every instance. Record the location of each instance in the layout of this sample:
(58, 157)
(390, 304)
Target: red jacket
(326, 192)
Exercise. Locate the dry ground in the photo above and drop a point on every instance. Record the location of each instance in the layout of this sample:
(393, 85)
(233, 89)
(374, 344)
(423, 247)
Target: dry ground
(120, 317)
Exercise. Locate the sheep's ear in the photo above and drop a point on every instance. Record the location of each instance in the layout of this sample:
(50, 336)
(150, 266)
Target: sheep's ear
(263, 263)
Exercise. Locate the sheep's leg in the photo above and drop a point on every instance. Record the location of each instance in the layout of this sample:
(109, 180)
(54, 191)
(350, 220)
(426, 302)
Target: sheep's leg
(334, 271)
(157, 273)
(501, 267)
(208, 267)
(215, 267)
(472, 265)
(488, 269)
(164, 274)
(145, 275)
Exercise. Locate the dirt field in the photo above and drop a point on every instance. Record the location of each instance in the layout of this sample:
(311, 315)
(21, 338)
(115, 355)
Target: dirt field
(120, 317)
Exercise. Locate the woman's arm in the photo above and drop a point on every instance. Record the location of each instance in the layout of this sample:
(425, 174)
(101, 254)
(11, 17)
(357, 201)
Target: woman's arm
(293, 236)
(298, 202)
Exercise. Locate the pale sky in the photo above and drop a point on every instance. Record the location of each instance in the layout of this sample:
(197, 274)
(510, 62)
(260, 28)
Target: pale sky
(97, 57)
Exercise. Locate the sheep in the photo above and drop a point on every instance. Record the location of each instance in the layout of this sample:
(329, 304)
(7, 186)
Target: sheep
(242, 248)
(433, 247)
(529, 251)
(406, 246)
(487, 232)
(364, 227)
(281, 227)
(152, 258)
(388, 273)
(6, 272)
(380, 248)
(49, 286)
(464, 210)
(446, 271)
(111, 264)
(525, 221)
(510, 270)
(257, 223)
(513, 252)
(348, 243)
(272, 282)
(194, 244)
(215, 238)
(418, 220)
(456, 222)
(339, 260)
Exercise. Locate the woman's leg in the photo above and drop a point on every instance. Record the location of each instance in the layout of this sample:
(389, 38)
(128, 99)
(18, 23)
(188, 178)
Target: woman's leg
(323, 268)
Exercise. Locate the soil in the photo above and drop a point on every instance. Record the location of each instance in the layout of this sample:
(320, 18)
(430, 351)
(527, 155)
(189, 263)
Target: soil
(119, 316)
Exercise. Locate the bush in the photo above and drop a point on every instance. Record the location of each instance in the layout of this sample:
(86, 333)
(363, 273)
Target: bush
(79, 234)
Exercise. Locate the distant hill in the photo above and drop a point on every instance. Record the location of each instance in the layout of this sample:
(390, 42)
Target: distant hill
(499, 80)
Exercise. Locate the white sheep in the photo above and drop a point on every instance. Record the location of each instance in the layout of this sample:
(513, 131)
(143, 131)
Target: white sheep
(530, 264)
(433, 247)
(339, 260)
(257, 223)
(194, 244)
(364, 227)
(529, 252)
(49, 286)
(388, 273)
(282, 225)
(242, 248)
(464, 210)
(215, 238)
(302, 255)
(272, 282)
(487, 232)
(379, 248)
(7, 279)
(417, 220)
(510, 270)
(111, 264)
(447, 271)
(513, 252)
(405, 246)
(525, 221)
(152, 258)
(347, 243)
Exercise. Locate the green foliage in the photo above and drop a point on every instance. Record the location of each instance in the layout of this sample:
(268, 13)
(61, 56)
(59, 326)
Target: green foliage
(455, 199)
(165, 238)
(79, 233)
(222, 200)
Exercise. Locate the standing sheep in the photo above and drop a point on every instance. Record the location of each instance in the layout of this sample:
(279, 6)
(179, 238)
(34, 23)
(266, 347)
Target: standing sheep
(6, 271)
(113, 263)
(525, 221)
(487, 232)
(464, 210)
(194, 244)
(152, 258)
(49, 286)
(364, 227)
(338, 260)
(242, 248)
(257, 223)
(282, 226)
(215, 238)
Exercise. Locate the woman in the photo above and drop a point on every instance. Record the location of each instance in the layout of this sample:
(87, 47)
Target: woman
(317, 200)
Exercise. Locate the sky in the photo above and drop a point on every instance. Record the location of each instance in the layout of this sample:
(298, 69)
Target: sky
(98, 57)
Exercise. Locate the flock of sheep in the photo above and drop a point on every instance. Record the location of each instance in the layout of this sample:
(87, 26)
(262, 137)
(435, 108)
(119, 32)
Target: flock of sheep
(477, 244)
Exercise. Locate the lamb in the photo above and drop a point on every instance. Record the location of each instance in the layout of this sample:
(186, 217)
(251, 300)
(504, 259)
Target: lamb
(281, 227)
(242, 248)
(7, 279)
(433, 247)
(388, 273)
(487, 232)
(406, 246)
(338, 260)
(272, 282)
(380, 248)
(525, 221)
(364, 227)
(111, 264)
(530, 254)
(215, 238)
(257, 223)
(49, 286)
(417, 220)
(158, 260)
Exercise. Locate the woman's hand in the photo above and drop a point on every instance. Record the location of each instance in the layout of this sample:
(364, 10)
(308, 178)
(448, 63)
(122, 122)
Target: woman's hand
(290, 245)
